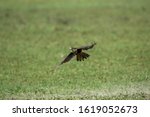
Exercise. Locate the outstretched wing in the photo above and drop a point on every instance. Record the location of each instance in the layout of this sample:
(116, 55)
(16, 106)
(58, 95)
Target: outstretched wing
(86, 47)
(68, 58)
(81, 56)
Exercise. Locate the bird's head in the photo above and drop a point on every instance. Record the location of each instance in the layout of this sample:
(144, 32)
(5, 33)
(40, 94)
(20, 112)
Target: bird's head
(72, 49)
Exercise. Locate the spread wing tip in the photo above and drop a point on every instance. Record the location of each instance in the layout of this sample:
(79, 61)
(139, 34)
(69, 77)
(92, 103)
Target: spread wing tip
(68, 58)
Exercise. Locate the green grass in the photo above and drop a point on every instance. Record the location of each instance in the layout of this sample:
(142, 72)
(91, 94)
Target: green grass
(35, 35)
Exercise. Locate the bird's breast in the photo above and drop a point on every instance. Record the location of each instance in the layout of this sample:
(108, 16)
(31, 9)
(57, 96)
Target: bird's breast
(79, 50)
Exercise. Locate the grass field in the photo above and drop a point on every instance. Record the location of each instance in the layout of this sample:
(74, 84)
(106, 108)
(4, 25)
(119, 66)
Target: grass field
(35, 36)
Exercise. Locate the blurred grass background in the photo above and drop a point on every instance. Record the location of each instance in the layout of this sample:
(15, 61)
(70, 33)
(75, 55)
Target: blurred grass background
(35, 35)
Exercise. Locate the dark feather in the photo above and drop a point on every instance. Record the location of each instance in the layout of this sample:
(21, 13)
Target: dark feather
(68, 58)
(78, 57)
(84, 55)
(81, 56)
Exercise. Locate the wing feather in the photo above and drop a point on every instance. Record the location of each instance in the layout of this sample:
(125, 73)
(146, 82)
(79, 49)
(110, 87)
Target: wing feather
(85, 55)
(81, 56)
(68, 58)
(86, 47)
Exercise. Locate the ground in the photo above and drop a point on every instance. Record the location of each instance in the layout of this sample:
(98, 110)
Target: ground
(35, 36)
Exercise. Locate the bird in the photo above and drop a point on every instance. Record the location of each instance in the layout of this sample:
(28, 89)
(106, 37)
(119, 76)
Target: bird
(78, 52)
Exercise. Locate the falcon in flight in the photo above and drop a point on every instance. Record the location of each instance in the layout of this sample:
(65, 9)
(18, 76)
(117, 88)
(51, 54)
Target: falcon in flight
(78, 52)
